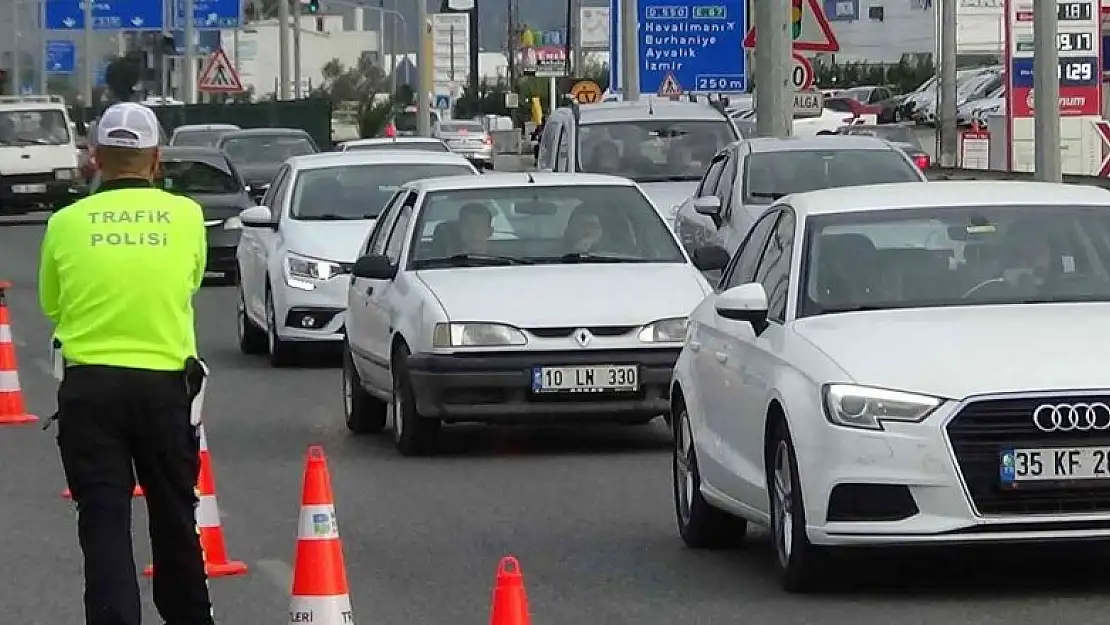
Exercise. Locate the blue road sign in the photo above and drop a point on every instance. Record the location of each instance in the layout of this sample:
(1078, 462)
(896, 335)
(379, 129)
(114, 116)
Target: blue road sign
(61, 57)
(699, 43)
(208, 41)
(212, 14)
(443, 102)
(107, 15)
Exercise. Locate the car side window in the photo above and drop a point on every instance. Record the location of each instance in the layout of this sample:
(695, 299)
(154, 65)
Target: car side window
(268, 198)
(774, 267)
(562, 153)
(381, 225)
(398, 234)
(742, 268)
(708, 184)
(724, 186)
(548, 144)
(379, 245)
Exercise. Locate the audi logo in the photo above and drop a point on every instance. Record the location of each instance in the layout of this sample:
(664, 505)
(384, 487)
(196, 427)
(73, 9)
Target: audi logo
(1078, 417)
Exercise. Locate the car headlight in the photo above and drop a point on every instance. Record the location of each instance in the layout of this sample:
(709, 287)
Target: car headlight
(64, 174)
(233, 223)
(476, 335)
(665, 331)
(867, 408)
(303, 272)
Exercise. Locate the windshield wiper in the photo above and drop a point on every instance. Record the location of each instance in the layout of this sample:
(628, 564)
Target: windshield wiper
(768, 195)
(674, 178)
(586, 257)
(464, 260)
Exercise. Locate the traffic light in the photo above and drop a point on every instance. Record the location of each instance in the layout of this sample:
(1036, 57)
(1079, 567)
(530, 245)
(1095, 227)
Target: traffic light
(796, 18)
(313, 6)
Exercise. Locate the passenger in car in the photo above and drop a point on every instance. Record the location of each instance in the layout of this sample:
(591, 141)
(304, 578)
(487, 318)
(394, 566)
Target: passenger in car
(475, 228)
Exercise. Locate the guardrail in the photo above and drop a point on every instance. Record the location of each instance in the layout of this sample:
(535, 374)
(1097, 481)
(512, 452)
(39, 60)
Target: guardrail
(955, 173)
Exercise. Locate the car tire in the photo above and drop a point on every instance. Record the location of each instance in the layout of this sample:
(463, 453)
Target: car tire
(282, 353)
(800, 563)
(701, 525)
(362, 412)
(413, 434)
(252, 339)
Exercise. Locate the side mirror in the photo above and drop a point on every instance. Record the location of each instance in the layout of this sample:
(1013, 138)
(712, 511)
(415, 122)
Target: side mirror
(711, 258)
(374, 267)
(710, 206)
(747, 302)
(258, 217)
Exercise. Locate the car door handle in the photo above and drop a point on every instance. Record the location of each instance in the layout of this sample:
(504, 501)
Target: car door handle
(721, 357)
(694, 346)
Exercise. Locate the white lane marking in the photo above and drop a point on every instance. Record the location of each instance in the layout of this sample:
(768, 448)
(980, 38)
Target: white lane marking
(278, 572)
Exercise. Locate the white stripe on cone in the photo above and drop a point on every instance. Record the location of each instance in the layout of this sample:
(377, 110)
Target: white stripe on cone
(321, 611)
(208, 512)
(5, 333)
(318, 523)
(200, 428)
(9, 381)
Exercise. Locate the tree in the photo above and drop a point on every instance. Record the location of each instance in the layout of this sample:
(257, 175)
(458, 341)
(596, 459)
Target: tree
(350, 84)
(121, 76)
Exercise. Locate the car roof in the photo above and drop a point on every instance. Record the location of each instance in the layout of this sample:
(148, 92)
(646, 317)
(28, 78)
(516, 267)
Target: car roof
(822, 142)
(190, 151)
(909, 195)
(202, 127)
(646, 109)
(512, 180)
(374, 157)
(387, 140)
(264, 132)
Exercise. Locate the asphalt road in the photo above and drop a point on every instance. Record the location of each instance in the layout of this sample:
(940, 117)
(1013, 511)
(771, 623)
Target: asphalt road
(587, 510)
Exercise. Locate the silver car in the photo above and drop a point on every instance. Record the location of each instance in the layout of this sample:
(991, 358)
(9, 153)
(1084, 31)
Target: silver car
(468, 139)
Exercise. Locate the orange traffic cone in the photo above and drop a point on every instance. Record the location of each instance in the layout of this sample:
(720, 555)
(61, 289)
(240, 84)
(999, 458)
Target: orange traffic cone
(138, 492)
(211, 532)
(12, 409)
(320, 593)
(510, 604)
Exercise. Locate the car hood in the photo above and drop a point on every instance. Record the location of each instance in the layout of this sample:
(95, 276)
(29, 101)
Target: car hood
(962, 351)
(339, 241)
(560, 295)
(255, 174)
(667, 196)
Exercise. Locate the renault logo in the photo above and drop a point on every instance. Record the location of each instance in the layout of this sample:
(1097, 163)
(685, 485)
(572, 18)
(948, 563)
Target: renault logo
(583, 336)
(1078, 417)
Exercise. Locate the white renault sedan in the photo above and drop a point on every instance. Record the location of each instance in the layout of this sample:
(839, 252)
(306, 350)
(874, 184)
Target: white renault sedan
(917, 363)
(514, 298)
(296, 249)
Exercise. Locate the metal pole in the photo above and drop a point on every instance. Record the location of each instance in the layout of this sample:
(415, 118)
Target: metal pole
(381, 37)
(451, 55)
(17, 52)
(235, 47)
(630, 50)
(393, 49)
(423, 112)
(946, 109)
(42, 48)
(576, 26)
(283, 53)
(1046, 94)
(89, 66)
(569, 66)
(189, 82)
(297, 91)
(774, 99)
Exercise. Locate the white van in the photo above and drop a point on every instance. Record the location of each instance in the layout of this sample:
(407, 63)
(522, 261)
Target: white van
(38, 154)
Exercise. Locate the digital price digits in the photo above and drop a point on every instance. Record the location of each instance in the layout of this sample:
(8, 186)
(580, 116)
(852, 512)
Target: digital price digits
(1074, 71)
(1075, 42)
(1074, 11)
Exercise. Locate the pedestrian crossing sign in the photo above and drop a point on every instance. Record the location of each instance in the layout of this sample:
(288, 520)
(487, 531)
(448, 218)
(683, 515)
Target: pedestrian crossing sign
(669, 87)
(219, 75)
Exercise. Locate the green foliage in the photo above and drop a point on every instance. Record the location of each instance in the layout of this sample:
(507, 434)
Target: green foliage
(373, 116)
(350, 84)
(904, 76)
(121, 76)
(490, 99)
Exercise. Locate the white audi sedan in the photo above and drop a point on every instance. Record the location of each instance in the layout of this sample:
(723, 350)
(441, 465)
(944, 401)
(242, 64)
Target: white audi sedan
(916, 363)
(296, 249)
(514, 298)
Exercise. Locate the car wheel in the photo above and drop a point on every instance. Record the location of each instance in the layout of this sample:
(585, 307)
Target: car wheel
(799, 562)
(282, 353)
(413, 434)
(363, 413)
(701, 525)
(252, 339)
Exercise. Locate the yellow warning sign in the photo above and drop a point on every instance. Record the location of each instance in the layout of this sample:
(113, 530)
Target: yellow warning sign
(669, 87)
(219, 75)
(586, 92)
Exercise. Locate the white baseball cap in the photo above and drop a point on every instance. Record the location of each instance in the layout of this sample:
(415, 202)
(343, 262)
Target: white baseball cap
(128, 125)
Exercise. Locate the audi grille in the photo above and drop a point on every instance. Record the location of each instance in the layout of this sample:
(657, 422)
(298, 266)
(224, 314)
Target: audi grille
(983, 428)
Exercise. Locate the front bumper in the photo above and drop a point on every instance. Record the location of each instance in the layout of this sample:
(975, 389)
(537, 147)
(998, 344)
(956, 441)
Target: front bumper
(938, 482)
(492, 387)
(318, 315)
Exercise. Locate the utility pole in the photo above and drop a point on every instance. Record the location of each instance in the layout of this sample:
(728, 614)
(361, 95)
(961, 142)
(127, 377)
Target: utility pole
(393, 48)
(283, 53)
(87, 51)
(451, 55)
(17, 53)
(630, 51)
(576, 46)
(511, 46)
(297, 92)
(190, 81)
(42, 48)
(1046, 94)
(946, 109)
(774, 101)
(569, 63)
(423, 111)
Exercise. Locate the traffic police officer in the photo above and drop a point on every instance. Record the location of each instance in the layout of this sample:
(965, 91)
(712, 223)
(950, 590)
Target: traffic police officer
(117, 277)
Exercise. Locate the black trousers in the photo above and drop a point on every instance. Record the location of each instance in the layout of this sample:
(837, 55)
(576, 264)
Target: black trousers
(115, 424)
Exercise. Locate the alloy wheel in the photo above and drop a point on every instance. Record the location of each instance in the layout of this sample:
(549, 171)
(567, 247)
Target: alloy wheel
(684, 467)
(783, 503)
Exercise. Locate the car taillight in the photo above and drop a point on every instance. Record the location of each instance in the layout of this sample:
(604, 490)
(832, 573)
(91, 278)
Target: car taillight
(922, 161)
(390, 130)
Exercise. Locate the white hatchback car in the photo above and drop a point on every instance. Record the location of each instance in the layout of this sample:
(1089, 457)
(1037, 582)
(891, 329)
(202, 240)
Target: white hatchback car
(916, 363)
(296, 249)
(515, 298)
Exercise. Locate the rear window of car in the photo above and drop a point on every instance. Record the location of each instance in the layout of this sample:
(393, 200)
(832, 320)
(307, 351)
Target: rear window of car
(770, 175)
(194, 177)
(418, 146)
(461, 127)
(405, 121)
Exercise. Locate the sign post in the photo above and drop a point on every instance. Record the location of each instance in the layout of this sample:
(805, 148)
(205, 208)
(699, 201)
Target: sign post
(685, 46)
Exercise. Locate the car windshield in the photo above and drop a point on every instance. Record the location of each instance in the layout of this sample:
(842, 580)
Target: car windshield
(652, 151)
(929, 257)
(198, 138)
(419, 146)
(45, 127)
(771, 175)
(358, 191)
(461, 127)
(541, 225)
(887, 132)
(275, 148)
(195, 177)
(405, 121)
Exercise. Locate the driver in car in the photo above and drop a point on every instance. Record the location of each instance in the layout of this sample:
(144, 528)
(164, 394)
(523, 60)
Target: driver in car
(1028, 256)
(475, 228)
